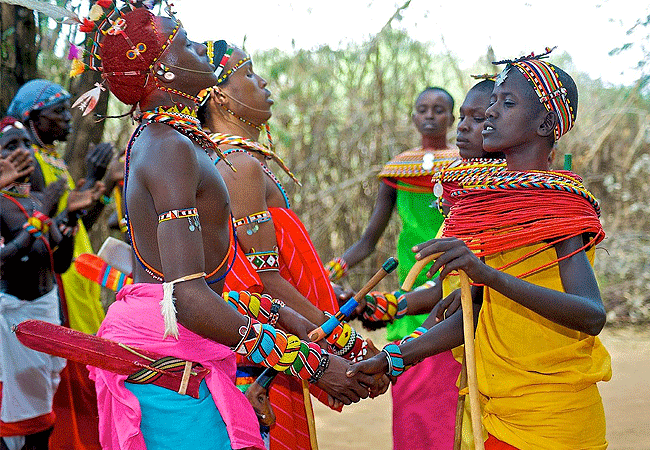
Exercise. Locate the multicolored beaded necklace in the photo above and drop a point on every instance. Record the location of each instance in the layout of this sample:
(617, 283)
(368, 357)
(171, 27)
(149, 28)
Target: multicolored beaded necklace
(498, 211)
(253, 146)
(186, 125)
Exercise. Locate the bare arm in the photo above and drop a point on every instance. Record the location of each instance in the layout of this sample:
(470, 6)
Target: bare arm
(360, 250)
(247, 189)
(579, 308)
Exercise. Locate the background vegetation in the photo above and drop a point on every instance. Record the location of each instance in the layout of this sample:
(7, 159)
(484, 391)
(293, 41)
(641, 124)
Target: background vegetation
(339, 115)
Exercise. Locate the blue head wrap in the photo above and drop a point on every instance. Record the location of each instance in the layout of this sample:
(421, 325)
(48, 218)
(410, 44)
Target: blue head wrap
(36, 95)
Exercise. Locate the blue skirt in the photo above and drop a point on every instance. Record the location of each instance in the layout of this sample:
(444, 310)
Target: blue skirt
(171, 421)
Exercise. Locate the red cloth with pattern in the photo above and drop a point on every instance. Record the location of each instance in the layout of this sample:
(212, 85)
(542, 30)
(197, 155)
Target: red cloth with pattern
(301, 266)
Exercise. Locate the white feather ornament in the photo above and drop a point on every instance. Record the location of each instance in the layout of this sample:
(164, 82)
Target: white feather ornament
(87, 101)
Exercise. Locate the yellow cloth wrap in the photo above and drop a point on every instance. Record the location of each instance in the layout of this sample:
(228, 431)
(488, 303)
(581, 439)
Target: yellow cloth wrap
(82, 295)
(290, 353)
(537, 378)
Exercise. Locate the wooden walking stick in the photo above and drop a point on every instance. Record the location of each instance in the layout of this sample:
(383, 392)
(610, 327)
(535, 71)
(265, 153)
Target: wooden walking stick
(468, 333)
(309, 413)
(325, 329)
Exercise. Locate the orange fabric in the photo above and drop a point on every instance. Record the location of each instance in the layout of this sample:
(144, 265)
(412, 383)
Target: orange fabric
(493, 443)
(75, 405)
(27, 426)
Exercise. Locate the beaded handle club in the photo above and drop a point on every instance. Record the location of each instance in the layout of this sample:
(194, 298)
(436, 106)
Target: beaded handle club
(468, 332)
(325, 329)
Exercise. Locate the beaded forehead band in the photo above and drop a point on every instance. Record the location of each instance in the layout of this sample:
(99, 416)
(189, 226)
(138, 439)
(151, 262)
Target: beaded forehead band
(203, 96)
(545, 82)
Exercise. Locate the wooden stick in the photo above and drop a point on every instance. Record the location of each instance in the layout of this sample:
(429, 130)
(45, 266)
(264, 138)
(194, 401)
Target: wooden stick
(460, 405)
(309, 412)
(468, 333)
(325, 329)
(472, 380)
(415, 271)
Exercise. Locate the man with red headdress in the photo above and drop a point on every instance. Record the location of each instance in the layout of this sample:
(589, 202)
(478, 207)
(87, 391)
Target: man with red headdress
(150, 63)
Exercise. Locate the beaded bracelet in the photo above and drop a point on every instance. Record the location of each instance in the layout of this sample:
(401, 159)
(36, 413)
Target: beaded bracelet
(274, 313)
(381, 307)
(258, 306)
(419, 331)
(347, 343)
(337, 268)
(322, 367)
(394, 359)
(270, 347)
(31, 229)
(105, 200)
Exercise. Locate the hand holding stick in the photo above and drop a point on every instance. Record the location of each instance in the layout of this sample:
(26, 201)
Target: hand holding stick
(325, 329)
(468, 332)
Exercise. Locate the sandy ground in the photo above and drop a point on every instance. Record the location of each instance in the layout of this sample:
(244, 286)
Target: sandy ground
(367, 425)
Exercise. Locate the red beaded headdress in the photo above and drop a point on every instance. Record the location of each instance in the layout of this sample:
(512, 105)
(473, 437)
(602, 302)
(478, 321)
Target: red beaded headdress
(124, 44)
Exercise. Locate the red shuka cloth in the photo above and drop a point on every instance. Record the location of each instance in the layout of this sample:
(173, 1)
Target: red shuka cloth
(301, 266)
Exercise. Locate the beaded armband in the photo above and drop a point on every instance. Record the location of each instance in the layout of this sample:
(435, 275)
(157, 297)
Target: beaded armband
(347, 343)
(384, 307)
(394, 358)
(261, 307)
(337, 268)
(191, 214)
(253, 221)
(419, 331)
(264, 261)
(270, 347)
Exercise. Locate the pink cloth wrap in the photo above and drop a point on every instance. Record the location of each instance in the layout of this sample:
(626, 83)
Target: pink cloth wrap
(424, 412)
(135, 319)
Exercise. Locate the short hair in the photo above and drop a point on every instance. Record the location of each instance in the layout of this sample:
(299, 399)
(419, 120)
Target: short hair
(437, 89)
(483, 86)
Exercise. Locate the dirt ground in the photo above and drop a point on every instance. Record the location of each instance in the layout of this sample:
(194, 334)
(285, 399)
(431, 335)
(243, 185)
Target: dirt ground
(367, 424)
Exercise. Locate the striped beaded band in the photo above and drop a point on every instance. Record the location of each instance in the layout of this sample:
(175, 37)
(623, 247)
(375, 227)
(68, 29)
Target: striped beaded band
(394, 359)
(177, 214)
(267, 261)
(254, 220)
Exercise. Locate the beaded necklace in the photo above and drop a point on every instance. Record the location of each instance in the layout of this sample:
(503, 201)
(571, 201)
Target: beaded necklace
(153, 272)
(187, 126)
(499, 211)
(254, 146)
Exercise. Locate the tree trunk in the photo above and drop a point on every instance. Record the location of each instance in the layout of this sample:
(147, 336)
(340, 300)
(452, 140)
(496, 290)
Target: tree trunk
(86, 129)
(18, 51)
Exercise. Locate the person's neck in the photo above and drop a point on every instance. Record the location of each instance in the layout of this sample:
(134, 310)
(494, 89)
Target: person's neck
(166, 100)
(434, 142)
(528, 157)
(222, 122)
(40, 139)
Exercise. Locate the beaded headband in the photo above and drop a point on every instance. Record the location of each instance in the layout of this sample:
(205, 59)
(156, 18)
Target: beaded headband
(545, 82)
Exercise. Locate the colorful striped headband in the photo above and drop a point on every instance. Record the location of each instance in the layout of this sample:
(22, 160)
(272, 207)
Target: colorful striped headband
(547, 85)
